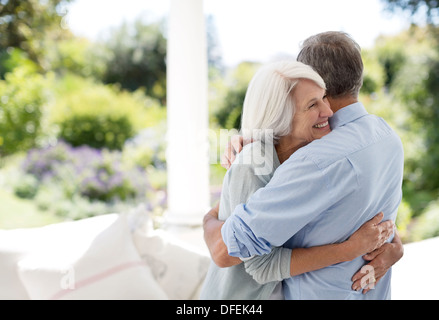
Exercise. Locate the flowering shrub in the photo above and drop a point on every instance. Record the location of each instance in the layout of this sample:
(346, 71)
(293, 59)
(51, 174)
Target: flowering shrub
(42, 162)
(76, 173)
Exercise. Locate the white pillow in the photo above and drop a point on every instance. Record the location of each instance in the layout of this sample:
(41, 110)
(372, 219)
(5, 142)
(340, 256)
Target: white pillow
(103, 266)
(17, 244)
(10, 284)
(178, 268)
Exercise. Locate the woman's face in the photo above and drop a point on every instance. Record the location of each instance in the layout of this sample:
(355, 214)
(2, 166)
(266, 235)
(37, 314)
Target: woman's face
(312, 112)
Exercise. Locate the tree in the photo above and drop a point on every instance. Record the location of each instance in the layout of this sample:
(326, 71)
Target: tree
(138, 58)
(229, 115)
(431, 7)
(24, 24)
(418, 86)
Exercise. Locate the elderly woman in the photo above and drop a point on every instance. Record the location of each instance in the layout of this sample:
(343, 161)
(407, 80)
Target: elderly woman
(285, 108)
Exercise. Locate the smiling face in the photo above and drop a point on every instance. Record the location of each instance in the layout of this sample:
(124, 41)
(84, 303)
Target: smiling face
(313, 111)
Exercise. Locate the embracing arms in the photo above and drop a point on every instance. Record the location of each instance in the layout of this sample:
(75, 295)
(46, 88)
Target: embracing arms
(368, 238)
(214, 241)
(309, 259)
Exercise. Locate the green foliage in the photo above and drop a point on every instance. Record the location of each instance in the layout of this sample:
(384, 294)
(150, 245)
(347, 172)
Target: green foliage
(403, 220)
(101, 131)
(12, 58)
(26, 187)
(101, 116)
(76, 55)
(417, 84)
(54, 86)
(25, 24)
(22, 101)
(229, 114)
(427, 225)
(404, 91)
(137, 58)
(373, 78)
(147, 149)
(84, 177)
(23, 213)
(391, 55)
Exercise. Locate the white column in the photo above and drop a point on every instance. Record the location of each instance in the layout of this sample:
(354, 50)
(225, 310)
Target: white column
(187, 113)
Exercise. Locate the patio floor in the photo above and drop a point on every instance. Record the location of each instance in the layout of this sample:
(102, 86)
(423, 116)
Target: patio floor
(414, 276)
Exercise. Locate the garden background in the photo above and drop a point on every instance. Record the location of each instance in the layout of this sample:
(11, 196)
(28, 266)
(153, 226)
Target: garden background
(83, 123)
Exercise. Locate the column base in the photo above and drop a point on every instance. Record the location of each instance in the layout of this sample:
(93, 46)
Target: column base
(189, 229)
(184, 220)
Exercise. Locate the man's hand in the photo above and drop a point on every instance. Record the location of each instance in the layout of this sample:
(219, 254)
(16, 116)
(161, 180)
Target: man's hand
(214, 241)
(234, 147)
(381, 260)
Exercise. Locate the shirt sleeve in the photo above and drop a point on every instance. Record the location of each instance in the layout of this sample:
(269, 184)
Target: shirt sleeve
(298, 192)
(240, 184)
(274, 266)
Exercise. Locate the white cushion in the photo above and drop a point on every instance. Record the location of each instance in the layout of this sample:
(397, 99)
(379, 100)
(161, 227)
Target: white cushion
(90, 261)
(179, 268)
(17, 244)
(10, 284)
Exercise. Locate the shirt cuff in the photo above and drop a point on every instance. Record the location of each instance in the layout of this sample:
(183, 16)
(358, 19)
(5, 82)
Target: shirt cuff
(247, 259)
(229, 238)
(241, 242)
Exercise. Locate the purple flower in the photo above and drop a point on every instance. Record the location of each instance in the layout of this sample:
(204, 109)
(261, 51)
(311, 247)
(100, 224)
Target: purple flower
(92, 173)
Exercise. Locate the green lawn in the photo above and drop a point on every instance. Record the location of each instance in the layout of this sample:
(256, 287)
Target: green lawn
(20, 213)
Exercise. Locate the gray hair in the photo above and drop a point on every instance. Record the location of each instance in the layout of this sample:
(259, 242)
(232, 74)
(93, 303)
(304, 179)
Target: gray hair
(337, 58)
(269, 104)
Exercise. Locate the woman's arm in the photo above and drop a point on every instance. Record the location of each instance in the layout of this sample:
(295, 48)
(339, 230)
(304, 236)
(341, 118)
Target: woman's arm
(370, 236)
(272, 267)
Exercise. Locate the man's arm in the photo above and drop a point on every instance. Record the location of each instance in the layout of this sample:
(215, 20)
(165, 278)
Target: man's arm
(381, 259)
(275, 213)
(283, 263)
(370, 236)
(214, 241)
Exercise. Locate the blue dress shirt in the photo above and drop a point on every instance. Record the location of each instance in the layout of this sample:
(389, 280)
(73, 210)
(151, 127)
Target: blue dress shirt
(322, 194)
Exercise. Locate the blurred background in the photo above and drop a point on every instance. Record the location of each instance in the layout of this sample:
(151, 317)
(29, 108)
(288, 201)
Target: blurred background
(83, 96)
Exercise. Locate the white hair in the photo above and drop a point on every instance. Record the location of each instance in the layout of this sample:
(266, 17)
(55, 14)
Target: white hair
(269, 104)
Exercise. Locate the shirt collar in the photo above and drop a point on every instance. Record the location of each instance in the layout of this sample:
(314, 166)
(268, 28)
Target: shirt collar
(347, 114)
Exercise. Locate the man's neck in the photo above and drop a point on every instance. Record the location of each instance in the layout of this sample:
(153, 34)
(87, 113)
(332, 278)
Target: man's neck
(339, 103)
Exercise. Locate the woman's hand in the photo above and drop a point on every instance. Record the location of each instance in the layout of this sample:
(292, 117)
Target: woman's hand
(234, 146)
(370, 236)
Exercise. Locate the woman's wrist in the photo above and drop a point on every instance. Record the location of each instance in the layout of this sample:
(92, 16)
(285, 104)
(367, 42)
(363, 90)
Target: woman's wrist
(349, 250)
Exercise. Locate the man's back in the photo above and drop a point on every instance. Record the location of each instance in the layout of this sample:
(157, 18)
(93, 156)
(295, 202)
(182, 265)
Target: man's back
(321, 195)
(364, 163)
